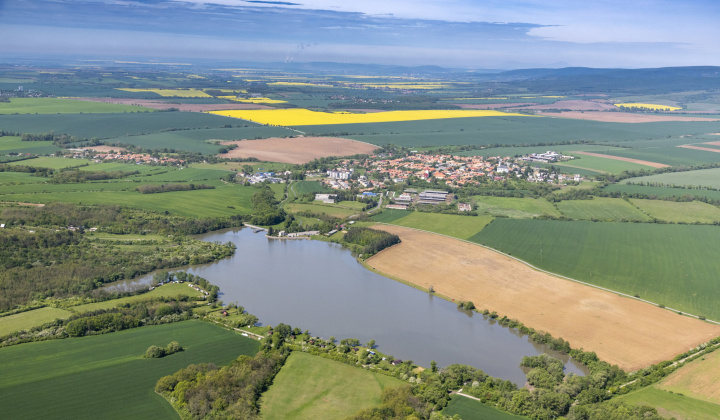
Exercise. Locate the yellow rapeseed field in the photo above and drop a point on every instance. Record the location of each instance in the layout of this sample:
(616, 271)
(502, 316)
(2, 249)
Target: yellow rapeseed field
(254, 100)
(648, 106)
(183, 93)
(297, 116)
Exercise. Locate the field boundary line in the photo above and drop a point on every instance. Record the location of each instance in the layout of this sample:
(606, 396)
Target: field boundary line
(558, 275)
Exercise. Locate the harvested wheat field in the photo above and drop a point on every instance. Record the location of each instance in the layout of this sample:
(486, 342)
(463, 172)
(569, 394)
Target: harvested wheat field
(620, 330)
(624, 117)
(624, 159)
(296, 150)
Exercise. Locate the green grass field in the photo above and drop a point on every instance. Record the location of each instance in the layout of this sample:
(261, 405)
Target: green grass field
(671, 405)
(14, 144)
(662, 191)
(167, 290)
(679, 265)
(29, 319)
(601, 208)
(697, 379)
(469, 409)
(600, 164)
(692, 179)
(526, 150)
(311, 387)
(679, 212)
(106, 375)
(462, 227)
(390, 215)
(307, 187)
(63, 106)
(53, 162)
(523, 208)
(329, 209)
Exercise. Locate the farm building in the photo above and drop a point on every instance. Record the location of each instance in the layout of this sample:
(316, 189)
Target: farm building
(464, 207)
(432, 197)
(326, 198)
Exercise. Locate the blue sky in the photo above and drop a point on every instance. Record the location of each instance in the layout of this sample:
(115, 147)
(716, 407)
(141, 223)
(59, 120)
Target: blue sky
(498, 34)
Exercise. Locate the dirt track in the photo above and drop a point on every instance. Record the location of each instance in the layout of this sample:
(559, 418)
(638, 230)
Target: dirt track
(620, 330)
(297, 150)
(624, 159)
(707, 149)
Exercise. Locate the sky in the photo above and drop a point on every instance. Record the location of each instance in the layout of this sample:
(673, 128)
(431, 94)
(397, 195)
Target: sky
(480, 34)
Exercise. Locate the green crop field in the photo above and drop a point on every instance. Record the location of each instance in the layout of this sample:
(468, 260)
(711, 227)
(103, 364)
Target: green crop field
(669, 155)
(662, 191)
(312, 387)
(14, 144)
(53, 162)
(166, 290)
(679, 265)
(105, 126)
(390, 215)
(523, 208)
(106, 375)
(689, 179)
(679, 212)
(25, 320)
(526, 150)
(63, 106)
(469, 409)
(328, 209)
(601, 208)
(601, 164)
(462, 227)
(671, 405)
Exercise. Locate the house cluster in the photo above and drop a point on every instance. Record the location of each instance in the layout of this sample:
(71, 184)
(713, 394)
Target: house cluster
(452, 170)
(260, 177)
(547, 157)
(138, 158)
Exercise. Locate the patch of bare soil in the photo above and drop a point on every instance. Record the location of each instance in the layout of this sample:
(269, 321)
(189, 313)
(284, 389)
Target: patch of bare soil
(155, 104)
(707, 149)
(624, 159)
(624, 117)
(622, 331)
(296, 150)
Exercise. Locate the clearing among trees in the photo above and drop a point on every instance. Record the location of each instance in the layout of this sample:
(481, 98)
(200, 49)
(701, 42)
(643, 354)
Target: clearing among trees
(620, 330)
(296, 150)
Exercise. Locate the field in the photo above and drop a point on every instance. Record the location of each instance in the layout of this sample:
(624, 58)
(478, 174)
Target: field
(81, 377)
(62, 106)
(697, 379)
(167, 290)
(330, 210)
(469, 409)
(25, 320)
(307, 187)
(700, 178)
(311, 387)
(654, 107)
(300, 117)
(297, 150)
(620, 330)
(601, 208)
(662, 191)
(679, 212)
(181, 93)
(53, 162)
(625, 117)
(679, 264)
(618, 163)
(462, 227)
(671, 405)
(523, 208)
(168, 104)
(13, 144)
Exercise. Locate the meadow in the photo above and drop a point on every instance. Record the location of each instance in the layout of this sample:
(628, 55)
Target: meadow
(301, 117)
(329, 209)
(601, 208)
(697, 379)
(312, 387)
(53, 162)
(14, 144)
(29, 319)
(678, 268)
(462, 227)
(469, 409)
(307, 187)
(679, 212)
(523, 208)
(673, 405)
(62, 106)
(692, 179)
(79, 377)
(170, 290)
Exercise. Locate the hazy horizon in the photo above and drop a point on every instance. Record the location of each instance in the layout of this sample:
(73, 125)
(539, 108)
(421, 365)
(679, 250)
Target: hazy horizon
(470, 34)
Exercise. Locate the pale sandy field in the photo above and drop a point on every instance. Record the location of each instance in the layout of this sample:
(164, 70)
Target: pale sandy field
(296, 150)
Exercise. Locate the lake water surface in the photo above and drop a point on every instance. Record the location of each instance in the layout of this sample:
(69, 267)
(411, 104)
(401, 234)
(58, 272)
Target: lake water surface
(320, 287)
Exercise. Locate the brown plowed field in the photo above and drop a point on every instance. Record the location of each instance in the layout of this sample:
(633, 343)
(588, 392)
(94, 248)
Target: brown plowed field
(620, 330)
(154, 104)
(624, 117)
(297, 150)
(707, 149)
(624, 159)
